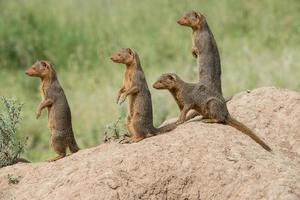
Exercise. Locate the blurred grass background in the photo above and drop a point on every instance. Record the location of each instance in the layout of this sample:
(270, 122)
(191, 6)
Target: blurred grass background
(259, 42)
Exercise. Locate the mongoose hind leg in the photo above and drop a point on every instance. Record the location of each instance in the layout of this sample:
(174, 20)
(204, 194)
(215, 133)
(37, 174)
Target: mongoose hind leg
(72, 144)
(195, 52)
(59, 145)
(132, 139)
(137, 132)
(183, 113)
(217, 111)
(56, 158)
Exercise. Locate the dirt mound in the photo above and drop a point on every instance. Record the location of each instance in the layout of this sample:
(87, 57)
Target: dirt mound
(195, 161)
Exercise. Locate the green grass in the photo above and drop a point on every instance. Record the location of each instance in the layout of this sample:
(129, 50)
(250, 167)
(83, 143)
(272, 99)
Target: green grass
(258, 40)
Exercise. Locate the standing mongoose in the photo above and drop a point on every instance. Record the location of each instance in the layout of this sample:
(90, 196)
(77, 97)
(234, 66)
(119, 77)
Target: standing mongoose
(139, 120)
(59, 114)
(204, 48)
(211, 105)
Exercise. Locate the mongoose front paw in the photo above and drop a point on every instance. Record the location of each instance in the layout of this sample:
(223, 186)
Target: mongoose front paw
(194, 52)
(117, 99)
(38, 114)
(179, 122)
(122, 99)
(56, 158)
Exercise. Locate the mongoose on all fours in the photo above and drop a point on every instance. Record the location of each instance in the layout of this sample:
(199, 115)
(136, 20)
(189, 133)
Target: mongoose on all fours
(59, 114)
(211, 105)
(204, 48)
(164, 82)
(139, 120)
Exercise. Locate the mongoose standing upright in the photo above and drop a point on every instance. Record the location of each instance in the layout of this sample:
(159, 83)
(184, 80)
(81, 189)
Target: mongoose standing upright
(59, 114)
(210, 104)
(139, 120)
(204, 48)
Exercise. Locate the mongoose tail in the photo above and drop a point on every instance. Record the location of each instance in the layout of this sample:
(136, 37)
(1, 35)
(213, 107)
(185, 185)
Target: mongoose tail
(73, 145)
(165, 128)
(241, 127)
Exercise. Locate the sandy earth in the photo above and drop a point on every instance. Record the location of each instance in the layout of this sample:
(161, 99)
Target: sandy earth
(195, 161)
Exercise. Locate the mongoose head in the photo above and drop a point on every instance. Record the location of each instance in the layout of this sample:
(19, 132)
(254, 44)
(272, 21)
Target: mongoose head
(191, 19)
(125, 56)
(40, 69)
(166, 81)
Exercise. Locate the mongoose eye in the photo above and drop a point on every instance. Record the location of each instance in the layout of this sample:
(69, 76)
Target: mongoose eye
(170, 77)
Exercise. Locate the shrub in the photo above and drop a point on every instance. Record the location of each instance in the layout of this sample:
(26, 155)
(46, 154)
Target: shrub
(115, 130)
(11, 146)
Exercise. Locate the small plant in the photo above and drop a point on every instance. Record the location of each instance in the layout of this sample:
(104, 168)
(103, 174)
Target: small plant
(10, 145)
(114, 130)
(13, 179)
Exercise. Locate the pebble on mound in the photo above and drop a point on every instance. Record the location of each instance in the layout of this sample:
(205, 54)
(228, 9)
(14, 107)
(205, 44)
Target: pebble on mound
(194, 161)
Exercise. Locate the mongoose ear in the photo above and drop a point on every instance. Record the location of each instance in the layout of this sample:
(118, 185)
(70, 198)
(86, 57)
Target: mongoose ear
(44, 63)
(172, 77)
(197, 15)
(130, 51)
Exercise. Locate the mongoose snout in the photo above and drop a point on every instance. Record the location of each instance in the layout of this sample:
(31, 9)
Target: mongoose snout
(157, 85)
(115, 58)
(182, 21)
(27, 72)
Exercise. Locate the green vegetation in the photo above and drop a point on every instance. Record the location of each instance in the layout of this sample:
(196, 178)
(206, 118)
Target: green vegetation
(258, 40)
(115, 130)
(13, 179)
(10, 145)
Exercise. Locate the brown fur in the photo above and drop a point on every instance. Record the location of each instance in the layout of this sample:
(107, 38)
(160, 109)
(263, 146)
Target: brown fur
(204, 48)
(21, 160)
(209, 104)
(164, 82)
(139, 120)
(59, 114)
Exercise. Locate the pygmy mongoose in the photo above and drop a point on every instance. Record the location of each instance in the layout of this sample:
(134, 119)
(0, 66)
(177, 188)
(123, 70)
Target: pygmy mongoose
(59, 114)
(139, 120)
(204, 48)
(209, 104)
